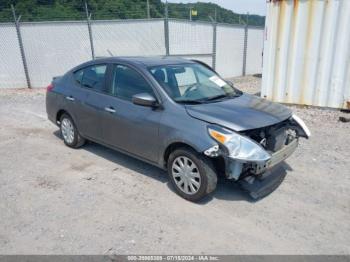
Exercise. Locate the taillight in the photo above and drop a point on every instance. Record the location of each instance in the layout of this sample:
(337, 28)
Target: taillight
(49, 87)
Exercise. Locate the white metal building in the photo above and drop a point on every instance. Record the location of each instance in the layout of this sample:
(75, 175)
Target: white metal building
(307, 52)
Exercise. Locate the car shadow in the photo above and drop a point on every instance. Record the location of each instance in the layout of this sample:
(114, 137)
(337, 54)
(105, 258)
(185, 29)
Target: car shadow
(226, 189)
(123, 160)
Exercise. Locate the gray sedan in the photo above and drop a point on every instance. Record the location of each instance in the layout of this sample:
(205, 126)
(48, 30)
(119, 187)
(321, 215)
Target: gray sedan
(179, 115)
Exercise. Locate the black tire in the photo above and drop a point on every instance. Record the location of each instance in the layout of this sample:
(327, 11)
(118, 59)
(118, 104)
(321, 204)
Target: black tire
(206, 170)
(78, 140)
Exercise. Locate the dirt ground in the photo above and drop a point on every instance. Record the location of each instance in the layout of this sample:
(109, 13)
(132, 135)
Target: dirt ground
(56, 200)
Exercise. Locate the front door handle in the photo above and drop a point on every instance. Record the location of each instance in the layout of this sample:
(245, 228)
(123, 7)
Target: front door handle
(110, 109)
(70, 98)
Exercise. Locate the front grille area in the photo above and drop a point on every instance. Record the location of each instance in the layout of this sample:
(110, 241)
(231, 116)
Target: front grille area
(273, 138)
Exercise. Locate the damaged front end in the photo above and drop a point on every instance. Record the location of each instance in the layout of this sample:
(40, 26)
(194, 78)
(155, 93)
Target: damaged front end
(251, 155)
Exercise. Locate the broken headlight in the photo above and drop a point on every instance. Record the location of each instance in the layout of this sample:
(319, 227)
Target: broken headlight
(301, 123)
(239, 147)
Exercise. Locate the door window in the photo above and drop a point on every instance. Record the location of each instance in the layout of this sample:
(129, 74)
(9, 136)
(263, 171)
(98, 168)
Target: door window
(78, 76)
(92, 77)
(126, 83)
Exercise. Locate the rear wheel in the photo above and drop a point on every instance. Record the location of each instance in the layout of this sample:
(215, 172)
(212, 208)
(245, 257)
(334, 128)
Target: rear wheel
(69, 132)
(191, 174)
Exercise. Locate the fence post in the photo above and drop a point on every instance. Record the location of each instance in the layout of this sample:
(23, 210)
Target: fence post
(148, 10)
(166, 29)
(245, 47)
(88, 20)
(20, 42)
(214, 43)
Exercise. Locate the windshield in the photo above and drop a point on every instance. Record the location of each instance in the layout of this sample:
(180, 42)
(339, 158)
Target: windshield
(192, 83)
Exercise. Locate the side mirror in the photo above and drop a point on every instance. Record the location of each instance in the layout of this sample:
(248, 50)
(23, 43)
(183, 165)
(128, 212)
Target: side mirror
(144, 99)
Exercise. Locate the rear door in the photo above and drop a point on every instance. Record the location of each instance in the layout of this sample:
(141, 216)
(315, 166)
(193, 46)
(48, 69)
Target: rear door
(130, 127)
(72, 97)
(92, 82)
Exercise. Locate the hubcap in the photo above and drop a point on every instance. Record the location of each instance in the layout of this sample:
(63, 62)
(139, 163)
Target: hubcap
(186, 175)
(67, 130)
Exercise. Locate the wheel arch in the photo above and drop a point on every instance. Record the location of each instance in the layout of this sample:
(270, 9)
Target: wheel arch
(175, 145)
(218, 162)
(64, 111)
(60, 113)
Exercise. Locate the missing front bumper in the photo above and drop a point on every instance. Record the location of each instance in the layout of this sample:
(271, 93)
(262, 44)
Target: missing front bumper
(258, 188)
(276, 157)
(235, 169)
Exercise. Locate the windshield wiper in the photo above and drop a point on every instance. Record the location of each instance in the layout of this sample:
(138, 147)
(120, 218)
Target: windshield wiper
(214, 98)
(193, 102)
(218, 97)
(204, 100)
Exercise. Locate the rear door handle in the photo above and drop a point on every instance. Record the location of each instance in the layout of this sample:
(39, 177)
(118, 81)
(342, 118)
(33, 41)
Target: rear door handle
(110, 109)
(70, 98)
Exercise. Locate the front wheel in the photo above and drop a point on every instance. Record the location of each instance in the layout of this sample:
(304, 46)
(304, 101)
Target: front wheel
(191, 174)
(69, 132)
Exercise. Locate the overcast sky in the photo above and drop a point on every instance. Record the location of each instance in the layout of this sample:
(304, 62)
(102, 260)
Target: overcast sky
(238, 6)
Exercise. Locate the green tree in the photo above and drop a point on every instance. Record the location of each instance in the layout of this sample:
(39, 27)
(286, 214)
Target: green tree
(42, 10)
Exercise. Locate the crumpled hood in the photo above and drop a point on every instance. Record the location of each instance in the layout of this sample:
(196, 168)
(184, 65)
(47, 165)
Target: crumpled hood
(241, 113)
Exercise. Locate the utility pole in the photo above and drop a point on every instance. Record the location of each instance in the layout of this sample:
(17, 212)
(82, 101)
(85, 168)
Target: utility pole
(88, 20)
(213, 20)
(166, 28)
(245, 46)
(148, 11)
(20, 42)
(190, 13)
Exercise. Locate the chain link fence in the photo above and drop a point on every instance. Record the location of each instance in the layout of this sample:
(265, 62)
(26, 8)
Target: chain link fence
(31, 53)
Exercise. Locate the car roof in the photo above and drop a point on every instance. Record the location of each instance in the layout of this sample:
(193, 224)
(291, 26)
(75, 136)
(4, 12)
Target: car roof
(146, 61)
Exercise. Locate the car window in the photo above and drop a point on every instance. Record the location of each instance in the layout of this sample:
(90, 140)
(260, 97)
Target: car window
(78, 76)
(185, 77)
(126, 82)
(194, 83)
(160, 74)
(93, 77)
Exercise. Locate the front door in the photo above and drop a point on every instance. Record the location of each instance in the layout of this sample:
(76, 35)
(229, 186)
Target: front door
(127, 126)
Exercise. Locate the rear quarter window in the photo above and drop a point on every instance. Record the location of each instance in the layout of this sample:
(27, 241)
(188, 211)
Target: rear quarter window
(91, 77)
(78, 76)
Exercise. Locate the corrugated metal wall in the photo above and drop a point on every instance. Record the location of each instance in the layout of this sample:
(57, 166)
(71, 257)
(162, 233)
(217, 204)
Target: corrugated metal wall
(52, 48)
(307, 52)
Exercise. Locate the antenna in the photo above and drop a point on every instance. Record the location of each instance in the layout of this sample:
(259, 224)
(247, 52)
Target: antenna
(110, 53)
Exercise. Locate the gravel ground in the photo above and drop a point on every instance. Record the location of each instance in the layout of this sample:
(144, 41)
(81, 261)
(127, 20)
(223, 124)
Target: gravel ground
(56, 200)
(249, 84)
